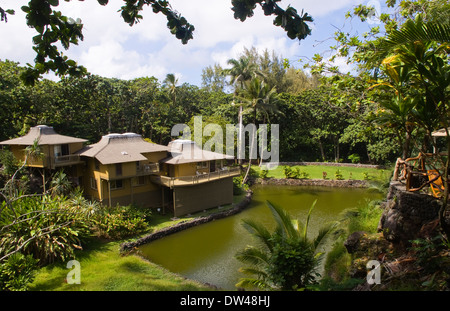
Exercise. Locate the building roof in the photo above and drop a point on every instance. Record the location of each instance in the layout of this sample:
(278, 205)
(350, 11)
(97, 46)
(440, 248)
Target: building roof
(120, 148)
(45, 135)
(439, 133)
(187, 151)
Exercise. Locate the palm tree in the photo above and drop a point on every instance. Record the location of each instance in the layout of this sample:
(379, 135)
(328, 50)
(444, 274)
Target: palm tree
(242, 70)
(287, 259)
(257, 96)
(171, 83)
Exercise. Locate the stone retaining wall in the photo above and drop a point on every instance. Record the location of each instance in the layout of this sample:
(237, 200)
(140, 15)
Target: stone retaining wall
(188, 224)
(313, 182)
(406, 213)
(331, 164)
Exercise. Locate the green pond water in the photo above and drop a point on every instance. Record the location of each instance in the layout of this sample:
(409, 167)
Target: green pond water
(206, 253)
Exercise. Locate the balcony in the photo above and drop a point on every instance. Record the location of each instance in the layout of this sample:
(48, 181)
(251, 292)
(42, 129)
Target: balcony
(65, 160)
(197, 179)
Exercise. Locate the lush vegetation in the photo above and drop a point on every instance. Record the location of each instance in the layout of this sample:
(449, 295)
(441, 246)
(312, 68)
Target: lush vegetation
(388, 109)
(285, 259)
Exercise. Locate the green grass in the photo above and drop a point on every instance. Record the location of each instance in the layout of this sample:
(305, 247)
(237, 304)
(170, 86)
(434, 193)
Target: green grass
(316, 172)
(103, 268)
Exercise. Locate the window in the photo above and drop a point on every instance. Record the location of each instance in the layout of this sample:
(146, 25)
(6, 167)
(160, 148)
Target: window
(97, 165)
(119, 169)
(201, 165)
(93, 183)
(139, 181)
(116, 184)
(61, 150)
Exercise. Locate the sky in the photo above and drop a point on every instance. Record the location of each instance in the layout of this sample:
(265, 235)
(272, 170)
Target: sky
(111, 48)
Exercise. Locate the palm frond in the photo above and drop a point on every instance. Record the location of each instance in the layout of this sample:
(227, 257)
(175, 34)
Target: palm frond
(259, 231)
(323, 234)
(413, 31)
(253, 283)
(284, 221)
(253, 256)
(305, 229)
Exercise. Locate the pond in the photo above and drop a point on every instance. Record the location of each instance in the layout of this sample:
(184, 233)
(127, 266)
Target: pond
(206, 253)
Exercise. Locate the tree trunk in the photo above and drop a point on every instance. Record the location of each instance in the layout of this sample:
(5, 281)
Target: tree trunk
(321, 150)
(445, 227)
(407, 143)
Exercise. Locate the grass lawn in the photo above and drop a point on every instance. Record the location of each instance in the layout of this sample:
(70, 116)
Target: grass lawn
(103, 268)
(316, 172)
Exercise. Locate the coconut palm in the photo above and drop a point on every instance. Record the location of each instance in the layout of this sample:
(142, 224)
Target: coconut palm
(171, 83)
(286, 259)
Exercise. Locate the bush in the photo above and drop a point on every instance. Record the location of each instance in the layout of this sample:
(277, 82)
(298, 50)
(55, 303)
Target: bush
(17, 272)
(295, 173)
(121, 222)
(263, 173)
(355, 158)
(293, 264)
(338, 175)
(48, 228)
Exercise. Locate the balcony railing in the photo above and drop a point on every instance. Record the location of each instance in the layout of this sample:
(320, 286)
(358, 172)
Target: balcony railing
(63, 160)
(196, 179)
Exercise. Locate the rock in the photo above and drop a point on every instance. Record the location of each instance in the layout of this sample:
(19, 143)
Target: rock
(405, 213)
(352, 242)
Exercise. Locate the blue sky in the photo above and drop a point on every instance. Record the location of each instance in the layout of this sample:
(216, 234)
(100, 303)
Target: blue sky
(111, 48)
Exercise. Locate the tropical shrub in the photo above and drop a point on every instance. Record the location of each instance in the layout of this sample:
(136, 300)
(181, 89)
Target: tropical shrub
(294, 172)
(287, 259)
(48, 228)
(17, 272)
(338, 175)
(121, 222)
(263, 173)
(355, 158)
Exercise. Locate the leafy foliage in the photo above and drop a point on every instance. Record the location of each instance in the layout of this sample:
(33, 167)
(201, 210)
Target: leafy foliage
(17, 272)
(286, 259)
(120, 222)
(48, 228)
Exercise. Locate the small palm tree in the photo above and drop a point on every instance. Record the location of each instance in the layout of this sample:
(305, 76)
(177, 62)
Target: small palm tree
(60, 184)
(171, 83)
(287, 259)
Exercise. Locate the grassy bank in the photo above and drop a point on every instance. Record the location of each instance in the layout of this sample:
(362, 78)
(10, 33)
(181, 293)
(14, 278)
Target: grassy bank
(317, 172)
(103, 268)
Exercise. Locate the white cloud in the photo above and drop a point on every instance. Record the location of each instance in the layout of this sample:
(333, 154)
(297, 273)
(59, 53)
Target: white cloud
(112, 48)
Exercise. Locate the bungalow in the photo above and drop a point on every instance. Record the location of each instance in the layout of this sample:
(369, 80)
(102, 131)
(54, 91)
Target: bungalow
(124, 169)
(196, 179)
(58, 151)
(118, 168)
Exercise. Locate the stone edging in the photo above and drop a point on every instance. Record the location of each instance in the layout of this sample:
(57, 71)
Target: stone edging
(187, 224)
(332, 164)
(313, 182)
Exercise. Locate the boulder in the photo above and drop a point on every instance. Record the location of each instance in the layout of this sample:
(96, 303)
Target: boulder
(405, 213)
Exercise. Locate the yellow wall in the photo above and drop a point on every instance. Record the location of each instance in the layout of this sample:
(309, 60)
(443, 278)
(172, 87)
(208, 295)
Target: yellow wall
(186, 169)
(47, 150)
